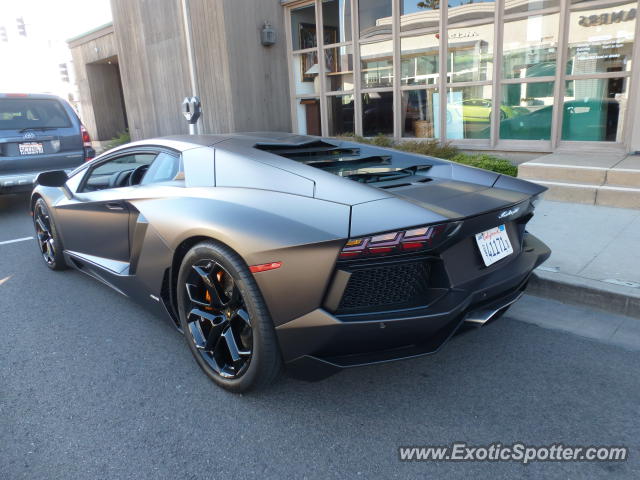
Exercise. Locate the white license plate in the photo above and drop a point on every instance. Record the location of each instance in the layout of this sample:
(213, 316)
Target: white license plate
(494, 244)
(30, 148)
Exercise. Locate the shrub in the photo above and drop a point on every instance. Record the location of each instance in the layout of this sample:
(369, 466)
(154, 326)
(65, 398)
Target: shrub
(488, 162)
(433, 148)
(120, 139)
(381, 140)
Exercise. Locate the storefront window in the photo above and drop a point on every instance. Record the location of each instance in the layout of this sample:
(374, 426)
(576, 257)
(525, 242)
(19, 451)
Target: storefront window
(470, 10)
(336, 16)
(303, 27)
(519, 6)
(377, 114)
(601, 37)
(376, 64)
(530, 46)
(419, 60)
(470, 49)
(420, 110)
(374, 17)
(340, 112)
(306, 73)
(594, 109)
(469, 112)
(470, 56)
(526, 111)
(339, 61)
(419, 14)
(595, 36)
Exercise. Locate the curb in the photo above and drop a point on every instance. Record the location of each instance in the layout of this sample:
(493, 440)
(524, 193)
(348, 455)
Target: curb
(616, 299)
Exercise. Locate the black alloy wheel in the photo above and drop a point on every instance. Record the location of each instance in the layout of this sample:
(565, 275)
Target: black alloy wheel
(224, 319)
(47, 237)
(217, 319)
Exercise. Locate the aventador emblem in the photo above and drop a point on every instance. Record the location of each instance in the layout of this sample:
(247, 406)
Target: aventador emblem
(29, 136)
(508, 213)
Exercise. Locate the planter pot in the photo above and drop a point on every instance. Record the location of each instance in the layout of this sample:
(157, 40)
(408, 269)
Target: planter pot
(423, 129)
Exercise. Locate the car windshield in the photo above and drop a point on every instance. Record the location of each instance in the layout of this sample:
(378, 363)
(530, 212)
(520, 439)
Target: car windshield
(29, 113)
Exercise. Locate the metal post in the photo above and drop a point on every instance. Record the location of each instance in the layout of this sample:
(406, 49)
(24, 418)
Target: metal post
(186, 18)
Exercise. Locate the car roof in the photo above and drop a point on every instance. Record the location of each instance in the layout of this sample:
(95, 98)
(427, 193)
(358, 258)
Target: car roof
(187, 142)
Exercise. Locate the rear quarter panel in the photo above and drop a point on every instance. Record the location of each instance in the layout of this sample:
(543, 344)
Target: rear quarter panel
(305, 234)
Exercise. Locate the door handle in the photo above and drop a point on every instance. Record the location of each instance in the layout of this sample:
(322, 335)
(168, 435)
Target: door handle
(114, 206)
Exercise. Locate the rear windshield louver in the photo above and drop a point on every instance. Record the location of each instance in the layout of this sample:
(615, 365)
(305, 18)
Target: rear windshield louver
(350, 162)
(307, 152)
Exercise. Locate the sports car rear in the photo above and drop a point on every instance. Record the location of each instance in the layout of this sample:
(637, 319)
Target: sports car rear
(400, 304)
(443, 245)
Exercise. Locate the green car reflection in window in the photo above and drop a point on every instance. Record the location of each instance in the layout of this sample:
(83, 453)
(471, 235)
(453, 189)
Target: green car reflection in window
(592, 120)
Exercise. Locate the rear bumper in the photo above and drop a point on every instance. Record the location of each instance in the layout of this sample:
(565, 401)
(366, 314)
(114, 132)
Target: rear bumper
(17, 183)
(320, 344)
(21, 182)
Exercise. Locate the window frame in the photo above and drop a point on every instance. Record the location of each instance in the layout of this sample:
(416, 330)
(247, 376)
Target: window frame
(497, 83)
(86, 170)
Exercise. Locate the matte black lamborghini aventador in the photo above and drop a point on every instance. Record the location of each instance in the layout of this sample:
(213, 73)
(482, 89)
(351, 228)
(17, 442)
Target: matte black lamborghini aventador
(271, 249)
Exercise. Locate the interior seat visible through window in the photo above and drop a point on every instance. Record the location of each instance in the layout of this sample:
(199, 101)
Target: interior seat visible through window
(117, 172)
(164, 169)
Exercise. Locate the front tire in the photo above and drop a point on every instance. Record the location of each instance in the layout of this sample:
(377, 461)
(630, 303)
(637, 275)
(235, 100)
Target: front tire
(225, 321)
(47, 237)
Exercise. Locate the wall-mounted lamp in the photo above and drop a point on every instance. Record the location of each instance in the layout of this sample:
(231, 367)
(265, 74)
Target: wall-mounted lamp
(267, 35)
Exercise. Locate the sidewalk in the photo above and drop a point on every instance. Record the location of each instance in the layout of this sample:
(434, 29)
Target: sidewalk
(596, 256)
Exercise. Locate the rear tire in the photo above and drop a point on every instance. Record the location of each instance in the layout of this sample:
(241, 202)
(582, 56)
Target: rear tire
(47, 237)
(225, 320)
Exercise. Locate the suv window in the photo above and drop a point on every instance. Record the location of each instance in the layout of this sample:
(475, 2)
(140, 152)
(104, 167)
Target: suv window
(115, 173)
(24, 113)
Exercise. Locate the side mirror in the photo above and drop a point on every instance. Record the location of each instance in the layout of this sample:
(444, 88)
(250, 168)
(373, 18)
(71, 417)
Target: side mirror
(54, 178)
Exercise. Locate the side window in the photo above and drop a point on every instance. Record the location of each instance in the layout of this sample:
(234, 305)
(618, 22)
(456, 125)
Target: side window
(117, 172)
(163, 169)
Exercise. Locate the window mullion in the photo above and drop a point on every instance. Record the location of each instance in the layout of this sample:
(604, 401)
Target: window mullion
(498, 34)
(357, 97)
(397, 103)
(292, 82)
(442, 84)
(321, 67)
(632, 101)
(561, 62)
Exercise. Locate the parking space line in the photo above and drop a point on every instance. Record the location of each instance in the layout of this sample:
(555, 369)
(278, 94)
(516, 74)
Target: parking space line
(16, 240)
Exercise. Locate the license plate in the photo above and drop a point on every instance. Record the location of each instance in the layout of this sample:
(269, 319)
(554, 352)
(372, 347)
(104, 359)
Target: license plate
(494, 244)
(30, 148)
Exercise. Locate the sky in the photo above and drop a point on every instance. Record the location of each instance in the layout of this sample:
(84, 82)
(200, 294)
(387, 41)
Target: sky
(56, 19)
(31, 63)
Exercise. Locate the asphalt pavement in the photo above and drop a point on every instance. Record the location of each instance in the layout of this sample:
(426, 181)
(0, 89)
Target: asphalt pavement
(93, 386)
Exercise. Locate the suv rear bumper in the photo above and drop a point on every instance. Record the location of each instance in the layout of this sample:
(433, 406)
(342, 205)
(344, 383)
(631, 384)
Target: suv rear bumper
(320, 344)
(21, 182)
(17, 183)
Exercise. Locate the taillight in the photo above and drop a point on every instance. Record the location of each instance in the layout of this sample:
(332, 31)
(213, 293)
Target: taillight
(86, 139)
(419, 238)
(89, 152)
